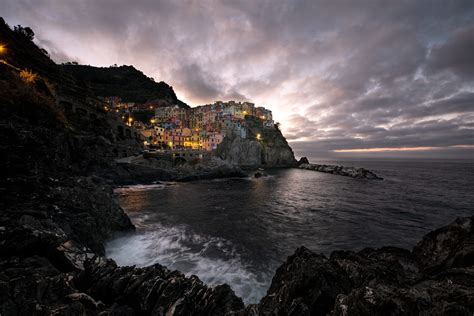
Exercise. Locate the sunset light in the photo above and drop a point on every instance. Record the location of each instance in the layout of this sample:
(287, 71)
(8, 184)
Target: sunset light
(278, 157)
(361, 150)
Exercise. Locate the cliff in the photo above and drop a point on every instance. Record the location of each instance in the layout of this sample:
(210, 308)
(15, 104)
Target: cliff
(271, 150)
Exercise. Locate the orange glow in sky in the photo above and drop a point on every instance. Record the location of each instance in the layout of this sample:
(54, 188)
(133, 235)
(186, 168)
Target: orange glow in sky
(366, 150)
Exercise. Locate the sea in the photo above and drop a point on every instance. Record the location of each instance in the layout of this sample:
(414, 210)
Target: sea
(239, 231)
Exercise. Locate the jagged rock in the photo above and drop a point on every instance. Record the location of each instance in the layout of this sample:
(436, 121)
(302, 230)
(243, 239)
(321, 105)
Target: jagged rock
(303, 160)
(155, 290)
(358, 173)
(241, 152)
(307, 284)
(386, 281)
(271, 151)
(32, 286)
(448, 247)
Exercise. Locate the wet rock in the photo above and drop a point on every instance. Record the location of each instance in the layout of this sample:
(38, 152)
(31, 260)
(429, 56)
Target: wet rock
(436, 278)
(448, 247)
(306, 284)
(358, 173)
(303, 160)
(155, 290)
(32, 286)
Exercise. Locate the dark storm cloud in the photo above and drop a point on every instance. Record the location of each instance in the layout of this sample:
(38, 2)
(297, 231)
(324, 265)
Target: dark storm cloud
(201, 85)
(456, 54)
(337, 74)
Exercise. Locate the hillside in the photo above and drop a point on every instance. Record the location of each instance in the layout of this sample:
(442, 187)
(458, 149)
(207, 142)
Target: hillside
(125, 81)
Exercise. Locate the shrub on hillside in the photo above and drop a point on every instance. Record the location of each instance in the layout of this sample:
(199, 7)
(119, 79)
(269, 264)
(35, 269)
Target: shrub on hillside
(22, 102)
(28, 76)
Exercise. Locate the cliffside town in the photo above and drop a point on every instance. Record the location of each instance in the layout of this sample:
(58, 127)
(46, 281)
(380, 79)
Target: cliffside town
(199, 128)
(236, 132)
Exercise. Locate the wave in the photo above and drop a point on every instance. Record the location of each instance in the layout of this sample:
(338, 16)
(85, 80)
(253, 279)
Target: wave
(214, 260)
(139, 187)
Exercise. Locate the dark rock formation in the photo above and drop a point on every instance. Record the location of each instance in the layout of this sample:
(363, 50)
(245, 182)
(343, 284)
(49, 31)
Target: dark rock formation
(154, 290)
(303, 160)
(271, 151)
(436, 278)
(141, 170)
(245, 153)
(359, 173)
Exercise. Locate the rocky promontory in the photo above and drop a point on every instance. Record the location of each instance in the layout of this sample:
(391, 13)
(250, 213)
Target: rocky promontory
(271, 150)
(358, 173)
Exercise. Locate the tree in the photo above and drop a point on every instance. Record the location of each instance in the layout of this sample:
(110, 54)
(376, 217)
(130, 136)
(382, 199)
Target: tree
(25, 31)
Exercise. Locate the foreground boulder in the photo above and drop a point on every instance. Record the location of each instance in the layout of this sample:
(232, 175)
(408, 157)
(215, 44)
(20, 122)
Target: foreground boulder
(436, 278)
(154, 290)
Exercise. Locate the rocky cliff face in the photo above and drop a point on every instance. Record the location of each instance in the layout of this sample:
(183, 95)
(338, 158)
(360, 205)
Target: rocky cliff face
(271, 151)
(241, 152)
(276, 150)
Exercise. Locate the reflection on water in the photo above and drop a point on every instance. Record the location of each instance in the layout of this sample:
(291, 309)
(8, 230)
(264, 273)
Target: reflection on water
(238, 231)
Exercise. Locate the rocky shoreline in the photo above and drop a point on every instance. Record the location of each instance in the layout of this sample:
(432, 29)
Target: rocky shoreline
(435, 278)
(58, 209)
(357, 173)
(51, 259)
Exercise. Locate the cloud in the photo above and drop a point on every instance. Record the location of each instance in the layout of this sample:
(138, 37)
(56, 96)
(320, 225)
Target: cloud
(200, 85)
(337, 74)
(455, 54)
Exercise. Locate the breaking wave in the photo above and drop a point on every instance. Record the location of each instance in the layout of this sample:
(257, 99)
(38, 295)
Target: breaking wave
(214, 260)
(139, 187)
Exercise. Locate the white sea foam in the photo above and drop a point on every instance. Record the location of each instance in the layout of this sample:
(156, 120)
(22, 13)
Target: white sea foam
(139, 187)
(213, 260)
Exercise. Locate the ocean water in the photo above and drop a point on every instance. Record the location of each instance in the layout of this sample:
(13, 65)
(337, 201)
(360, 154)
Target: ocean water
(238, 231)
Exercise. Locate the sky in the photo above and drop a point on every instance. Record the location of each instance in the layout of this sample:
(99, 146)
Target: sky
(344, 78)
